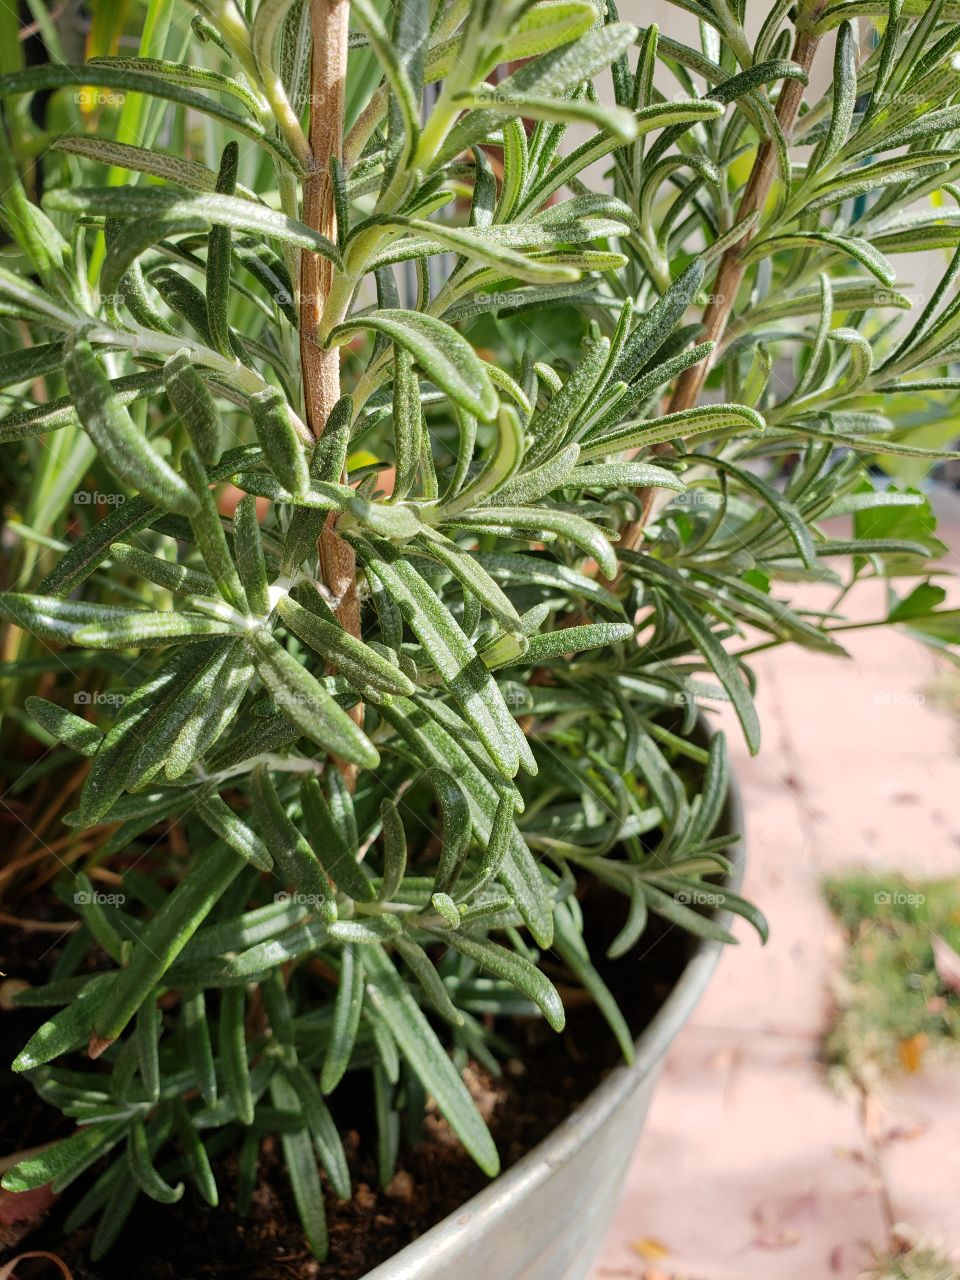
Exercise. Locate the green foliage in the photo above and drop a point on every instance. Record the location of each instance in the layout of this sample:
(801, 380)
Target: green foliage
(896, 1002)
(436, 676)
(909, 1261)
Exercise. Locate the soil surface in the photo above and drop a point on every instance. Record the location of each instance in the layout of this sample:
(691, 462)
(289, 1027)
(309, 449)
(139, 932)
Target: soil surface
(542, 1081)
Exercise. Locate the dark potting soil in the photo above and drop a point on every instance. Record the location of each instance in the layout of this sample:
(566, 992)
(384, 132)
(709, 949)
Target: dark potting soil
(546, 1077)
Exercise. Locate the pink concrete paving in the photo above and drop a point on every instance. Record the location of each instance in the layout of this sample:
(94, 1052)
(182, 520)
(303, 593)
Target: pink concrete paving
(751, 1167)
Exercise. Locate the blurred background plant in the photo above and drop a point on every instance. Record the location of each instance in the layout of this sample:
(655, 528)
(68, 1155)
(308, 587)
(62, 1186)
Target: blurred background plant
(912, 1260)
(898, 991)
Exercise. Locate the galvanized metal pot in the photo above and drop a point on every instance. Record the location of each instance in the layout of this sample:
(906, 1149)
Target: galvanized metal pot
(546, 1217)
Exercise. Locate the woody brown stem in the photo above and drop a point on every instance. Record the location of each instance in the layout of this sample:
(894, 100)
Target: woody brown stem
(732, 267)
(321, 365)
(731, 271)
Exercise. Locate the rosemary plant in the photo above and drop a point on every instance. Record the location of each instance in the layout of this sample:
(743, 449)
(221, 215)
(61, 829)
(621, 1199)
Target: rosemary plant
(533, 441)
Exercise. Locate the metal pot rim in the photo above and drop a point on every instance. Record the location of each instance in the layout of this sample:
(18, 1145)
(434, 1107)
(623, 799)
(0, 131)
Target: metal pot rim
(483, 1209)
